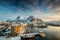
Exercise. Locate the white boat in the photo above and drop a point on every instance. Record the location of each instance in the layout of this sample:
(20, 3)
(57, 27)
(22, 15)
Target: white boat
(29, 35)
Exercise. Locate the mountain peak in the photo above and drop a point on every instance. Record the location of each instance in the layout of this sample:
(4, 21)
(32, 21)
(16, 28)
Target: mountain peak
(32, 18)
(18, 18)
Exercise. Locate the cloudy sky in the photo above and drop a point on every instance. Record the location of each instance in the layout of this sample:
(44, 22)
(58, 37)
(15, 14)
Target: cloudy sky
(47, 10)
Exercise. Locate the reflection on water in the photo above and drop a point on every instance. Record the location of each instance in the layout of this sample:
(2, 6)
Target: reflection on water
(52, 32)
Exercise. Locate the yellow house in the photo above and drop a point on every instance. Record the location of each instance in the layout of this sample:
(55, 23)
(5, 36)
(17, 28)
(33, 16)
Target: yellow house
(17, 29)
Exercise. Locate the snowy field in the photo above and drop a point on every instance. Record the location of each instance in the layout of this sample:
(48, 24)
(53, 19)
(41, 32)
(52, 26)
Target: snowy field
(11, 38)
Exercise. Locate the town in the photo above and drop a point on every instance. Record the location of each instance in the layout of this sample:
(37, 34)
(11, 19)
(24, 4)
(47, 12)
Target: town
(19, 27)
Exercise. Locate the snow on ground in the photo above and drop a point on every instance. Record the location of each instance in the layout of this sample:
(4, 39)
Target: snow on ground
(11, 38)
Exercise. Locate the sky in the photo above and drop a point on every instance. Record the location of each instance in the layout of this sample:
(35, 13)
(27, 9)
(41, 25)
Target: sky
(47, 10)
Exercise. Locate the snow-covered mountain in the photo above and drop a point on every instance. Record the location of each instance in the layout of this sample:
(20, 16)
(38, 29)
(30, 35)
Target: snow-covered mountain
(32, 18)
(29, 19)
(16, 20)
(54, 23)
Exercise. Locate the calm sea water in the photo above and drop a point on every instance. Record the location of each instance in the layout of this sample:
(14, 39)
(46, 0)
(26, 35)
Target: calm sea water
(52, 32)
